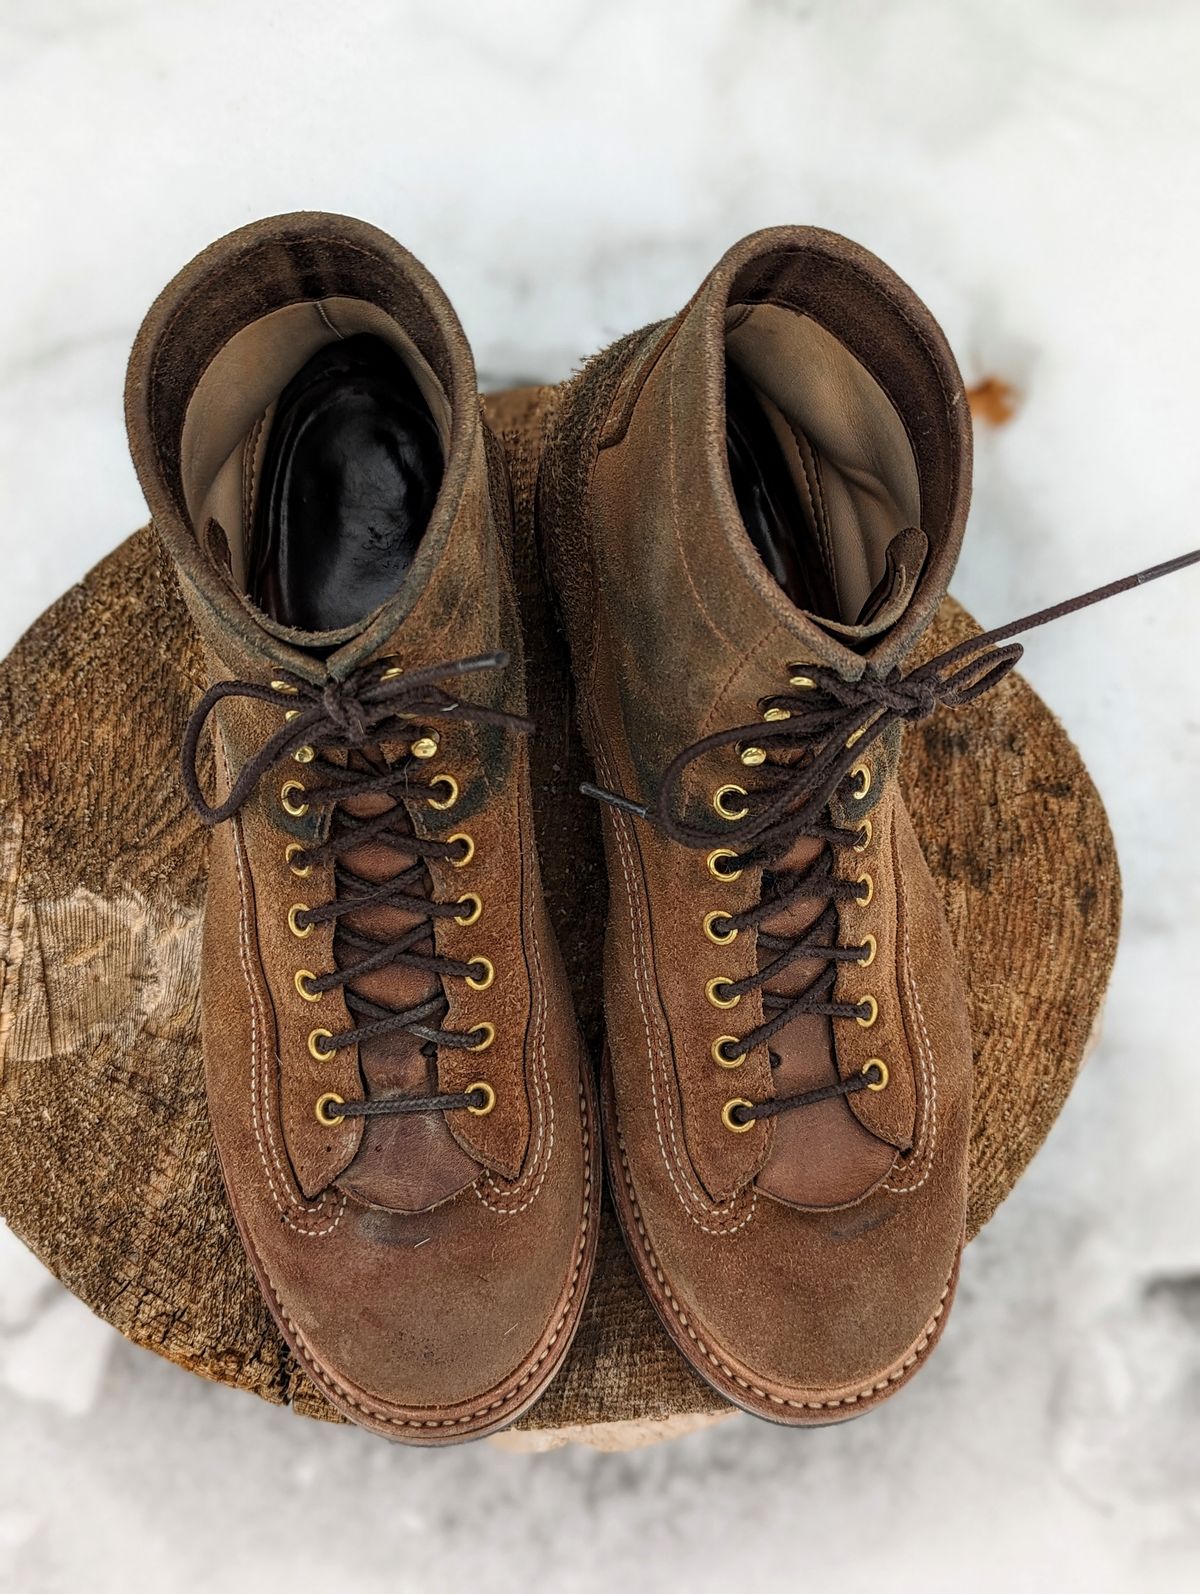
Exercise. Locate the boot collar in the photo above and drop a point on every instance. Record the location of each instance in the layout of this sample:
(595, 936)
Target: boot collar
(304, 262)
(852, 295)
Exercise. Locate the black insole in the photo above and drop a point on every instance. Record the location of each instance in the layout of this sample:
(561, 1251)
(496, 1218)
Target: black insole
(349, 479)
(770, 501)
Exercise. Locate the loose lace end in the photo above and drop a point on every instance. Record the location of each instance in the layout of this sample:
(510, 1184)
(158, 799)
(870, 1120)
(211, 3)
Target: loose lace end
(498, 660)
(614, 800)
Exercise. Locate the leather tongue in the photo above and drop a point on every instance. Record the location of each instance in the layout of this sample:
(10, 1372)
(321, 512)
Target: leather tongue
(406, 1162)
(903, 562)
(821, 1156)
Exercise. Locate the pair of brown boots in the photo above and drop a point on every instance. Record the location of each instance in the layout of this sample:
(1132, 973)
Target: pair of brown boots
(728, 506)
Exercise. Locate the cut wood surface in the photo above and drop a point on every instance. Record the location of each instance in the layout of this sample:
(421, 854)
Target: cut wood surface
(107, 1167)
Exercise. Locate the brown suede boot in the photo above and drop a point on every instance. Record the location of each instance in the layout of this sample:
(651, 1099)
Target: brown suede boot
(750, 514)
(393, 1069)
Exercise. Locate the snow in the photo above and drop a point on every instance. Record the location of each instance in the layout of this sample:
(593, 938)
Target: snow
(570, 171)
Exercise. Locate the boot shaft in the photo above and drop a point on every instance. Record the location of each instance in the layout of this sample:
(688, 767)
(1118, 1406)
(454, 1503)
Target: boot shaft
(859, 382)
(214, 353)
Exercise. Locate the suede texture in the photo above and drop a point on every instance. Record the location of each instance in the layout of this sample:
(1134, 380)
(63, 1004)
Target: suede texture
(428, 1270)
(806, 1265)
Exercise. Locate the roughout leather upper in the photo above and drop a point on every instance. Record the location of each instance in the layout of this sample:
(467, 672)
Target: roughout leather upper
(806, 1264)
(428, 1270)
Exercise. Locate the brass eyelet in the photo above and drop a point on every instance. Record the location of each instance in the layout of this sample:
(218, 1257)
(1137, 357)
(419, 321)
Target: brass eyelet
(468, 842)
(321, 1053)
(295, 850)
(718, 1052)
(302, 975)
(486, 1033)
(486, 978)
(489, 1098)
(297, 810)
(772, 715)
(712, 988)
(867, 833)
(715, 857)
(869, 942)
(881, 1082)
(425, 746)
(730, 1122)
(710, 928)
(392, 673)
(719, 804)
(300, 931)
(805, 682)
(872, 1007)
(304, 755)
(330, 1098)
(285, 687)
(752, 757)
(474, 909)
(865, 880)
(291, 714)
(862, 774)
(451, 787)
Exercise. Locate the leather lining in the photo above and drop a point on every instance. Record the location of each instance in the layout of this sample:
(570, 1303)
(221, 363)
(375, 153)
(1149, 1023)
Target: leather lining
(338, 498)
(238, 390)
(845, 447)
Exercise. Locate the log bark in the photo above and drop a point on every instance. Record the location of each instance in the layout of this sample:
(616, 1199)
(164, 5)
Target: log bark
(107, 1168)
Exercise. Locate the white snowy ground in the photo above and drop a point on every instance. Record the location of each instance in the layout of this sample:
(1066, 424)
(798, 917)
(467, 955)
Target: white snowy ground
(570, 170)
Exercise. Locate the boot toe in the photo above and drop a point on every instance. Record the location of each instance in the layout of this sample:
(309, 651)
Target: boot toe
(435, 1325)
(803, 1316)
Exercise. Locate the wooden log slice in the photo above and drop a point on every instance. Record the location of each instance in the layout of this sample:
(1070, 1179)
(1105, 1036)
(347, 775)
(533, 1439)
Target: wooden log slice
(107, 1168)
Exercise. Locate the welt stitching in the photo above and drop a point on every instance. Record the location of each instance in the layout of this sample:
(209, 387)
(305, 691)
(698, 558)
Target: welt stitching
(866, 1392)
(327, 1382)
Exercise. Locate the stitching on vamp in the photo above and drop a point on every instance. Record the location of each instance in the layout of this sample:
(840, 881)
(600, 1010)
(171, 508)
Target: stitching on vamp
(865, 1393)
(928, 1072)
(545, 1104)
(259, 1110)
(738, 667)
(686, 1196)
(338, 1392)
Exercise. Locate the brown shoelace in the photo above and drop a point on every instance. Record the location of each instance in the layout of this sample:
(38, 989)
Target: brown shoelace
(820, 733)
(376, 704)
